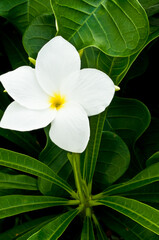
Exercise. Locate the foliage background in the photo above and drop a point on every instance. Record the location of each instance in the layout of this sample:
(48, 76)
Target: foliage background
(130, 133)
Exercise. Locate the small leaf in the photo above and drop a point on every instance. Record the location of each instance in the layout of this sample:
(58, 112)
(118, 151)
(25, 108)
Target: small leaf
(54, 229)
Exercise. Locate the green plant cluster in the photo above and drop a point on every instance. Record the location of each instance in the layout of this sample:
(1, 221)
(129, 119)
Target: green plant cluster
(111, 191)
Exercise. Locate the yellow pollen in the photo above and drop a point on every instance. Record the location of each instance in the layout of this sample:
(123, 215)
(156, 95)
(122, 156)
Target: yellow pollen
(57, 101)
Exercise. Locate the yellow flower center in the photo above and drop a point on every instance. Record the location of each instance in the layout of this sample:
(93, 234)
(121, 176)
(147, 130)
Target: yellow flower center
(57, 101)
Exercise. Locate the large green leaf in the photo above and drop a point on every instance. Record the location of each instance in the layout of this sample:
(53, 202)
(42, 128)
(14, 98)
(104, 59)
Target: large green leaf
(91, 154)
(15, 204)
(113, 160)
(107, 25)
(145, 177)
(39, 32)
(141, 213)
(55, 228)
(8, 181)
(87, 230)
(30, 165)
(129, 118)
(117, 67)
(22, 12)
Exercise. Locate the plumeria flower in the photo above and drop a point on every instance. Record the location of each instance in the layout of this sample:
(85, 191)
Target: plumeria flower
(56, 92)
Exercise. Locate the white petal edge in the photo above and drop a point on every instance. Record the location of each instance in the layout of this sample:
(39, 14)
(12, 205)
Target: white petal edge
(22, 119)
(56, 60)
(21, 84)
(70, 129)
(94, 90)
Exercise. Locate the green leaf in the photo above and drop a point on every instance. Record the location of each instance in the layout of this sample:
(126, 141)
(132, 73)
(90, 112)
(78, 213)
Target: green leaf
(129, 118)
(55, 228)
(115, 67)
(22, 229)
(29, 233)
(125, 227)
(113, 160)
(30, 165)
(14, 49)
(148, 193)
(56, 159)
(87, 230)
(14, 204)
(22, 12)
(8, 181)
(153, 159)
(91, 154)
(145, 177)
(100, 233)
(139, 212)
(39, 32)
(89, 57)
(107, 25)
(151, 6)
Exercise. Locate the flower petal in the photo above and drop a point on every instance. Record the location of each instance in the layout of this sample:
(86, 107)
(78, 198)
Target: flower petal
(22, 86)
(94, 90)
(19, 118)
(55, 61)
(70, 129)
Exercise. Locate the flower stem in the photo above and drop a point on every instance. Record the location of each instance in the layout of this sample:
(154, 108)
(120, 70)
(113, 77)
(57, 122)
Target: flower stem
(77, 175)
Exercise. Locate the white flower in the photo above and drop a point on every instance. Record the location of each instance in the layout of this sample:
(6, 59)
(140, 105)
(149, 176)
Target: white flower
(57, 92)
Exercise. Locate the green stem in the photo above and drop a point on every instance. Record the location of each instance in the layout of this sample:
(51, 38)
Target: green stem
(77, 175)
(73, 202)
